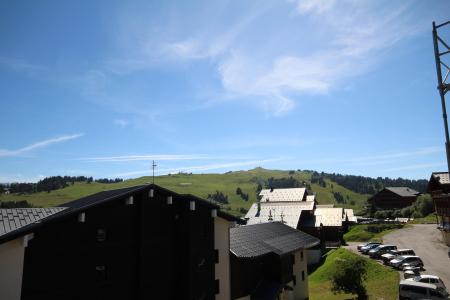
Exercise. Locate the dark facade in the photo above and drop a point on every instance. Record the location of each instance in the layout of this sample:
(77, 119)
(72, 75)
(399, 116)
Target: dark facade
(328, 235)
(263, 259)
(439, 188)
(393, 198)
(136, 243)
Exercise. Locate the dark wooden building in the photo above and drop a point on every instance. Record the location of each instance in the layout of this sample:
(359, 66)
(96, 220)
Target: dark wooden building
(393, 198)
(143, 242)
(268, 261)
(439, 188)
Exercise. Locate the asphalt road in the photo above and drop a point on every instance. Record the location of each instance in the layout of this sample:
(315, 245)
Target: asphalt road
(425, 240)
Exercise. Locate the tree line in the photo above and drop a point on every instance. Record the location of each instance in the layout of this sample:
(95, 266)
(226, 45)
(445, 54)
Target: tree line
(367, 185)
(50, 184)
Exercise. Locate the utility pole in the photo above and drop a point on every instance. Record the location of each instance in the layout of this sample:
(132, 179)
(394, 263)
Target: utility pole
(153, 168)
(443, 85)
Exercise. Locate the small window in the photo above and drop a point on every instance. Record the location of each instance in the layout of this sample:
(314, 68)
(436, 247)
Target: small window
(201, 262)
(101, 235)
(101, 272)
(301, 255)
(294, 280)
(217, 286)
(216, 256)
(303, 275)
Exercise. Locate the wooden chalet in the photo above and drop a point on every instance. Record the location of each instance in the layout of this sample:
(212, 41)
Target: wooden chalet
(268, 261)
(142, 242)
(439, 188)
(393, 198)
(297, 208)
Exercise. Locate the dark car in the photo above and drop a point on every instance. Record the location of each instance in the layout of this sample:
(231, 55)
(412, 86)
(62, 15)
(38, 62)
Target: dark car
(380, 250)
(366, 249)
(366, 244)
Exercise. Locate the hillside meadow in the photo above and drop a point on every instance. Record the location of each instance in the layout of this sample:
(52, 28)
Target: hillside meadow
(200, 185)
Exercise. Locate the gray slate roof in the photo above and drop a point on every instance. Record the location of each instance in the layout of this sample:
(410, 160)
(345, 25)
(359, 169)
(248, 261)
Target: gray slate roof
(12, 219)
(261, 239)
(403, 191)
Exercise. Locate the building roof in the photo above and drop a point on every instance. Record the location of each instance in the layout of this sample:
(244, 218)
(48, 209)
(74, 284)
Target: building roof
(18, 219)
(311, 198)
(403, 191)
(274, 237)
(439, 181)
(285, 212)
(283, 195)
(441, 177)
(102, 197)
(348, 213)
(326, 216)
(325, 205)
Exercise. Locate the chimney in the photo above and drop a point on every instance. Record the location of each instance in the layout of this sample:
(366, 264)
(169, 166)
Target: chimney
(258, 203)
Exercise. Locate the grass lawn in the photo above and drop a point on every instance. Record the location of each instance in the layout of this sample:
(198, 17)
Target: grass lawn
(382, 282)
(359, 233)
(430, 219)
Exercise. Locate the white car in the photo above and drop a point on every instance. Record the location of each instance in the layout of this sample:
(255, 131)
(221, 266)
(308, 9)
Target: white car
(429, 279)
(406, 260)
(413, 290)
(392, 254)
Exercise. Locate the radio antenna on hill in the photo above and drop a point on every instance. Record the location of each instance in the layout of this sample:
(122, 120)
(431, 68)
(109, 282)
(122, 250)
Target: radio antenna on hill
(153, 169)
(443, 85)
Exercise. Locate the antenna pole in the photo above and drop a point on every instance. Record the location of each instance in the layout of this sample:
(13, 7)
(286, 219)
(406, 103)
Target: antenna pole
(443, 86)
(153, 173)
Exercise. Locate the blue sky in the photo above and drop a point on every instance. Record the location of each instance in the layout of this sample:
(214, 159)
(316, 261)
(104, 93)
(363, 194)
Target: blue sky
(101, 88)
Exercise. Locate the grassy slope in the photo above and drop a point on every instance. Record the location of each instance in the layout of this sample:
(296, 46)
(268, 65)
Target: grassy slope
(198, 184)
(357, 233)
(430, 219)
(382, 282)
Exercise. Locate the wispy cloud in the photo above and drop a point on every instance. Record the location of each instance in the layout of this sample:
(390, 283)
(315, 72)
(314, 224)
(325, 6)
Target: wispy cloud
(160, 157)
(121, 123)
(200, 168)
(416, 167)
(38, 145)
(377, 159)
(21, 66)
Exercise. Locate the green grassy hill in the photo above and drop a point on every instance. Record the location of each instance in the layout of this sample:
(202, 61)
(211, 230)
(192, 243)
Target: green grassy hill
(381, 283)
(200, 185)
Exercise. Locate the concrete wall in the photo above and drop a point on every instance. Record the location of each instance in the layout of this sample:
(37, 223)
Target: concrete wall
(222, 269)
(243, 298)
(313, 256)
(11, 269)
(300, 288)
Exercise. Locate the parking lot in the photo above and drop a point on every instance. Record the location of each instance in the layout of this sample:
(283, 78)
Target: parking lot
(425, 240)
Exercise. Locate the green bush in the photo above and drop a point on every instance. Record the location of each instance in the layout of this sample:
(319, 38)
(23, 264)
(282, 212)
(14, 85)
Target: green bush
(348, 276)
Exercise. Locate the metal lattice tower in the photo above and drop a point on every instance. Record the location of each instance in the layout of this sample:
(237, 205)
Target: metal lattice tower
(442, 48)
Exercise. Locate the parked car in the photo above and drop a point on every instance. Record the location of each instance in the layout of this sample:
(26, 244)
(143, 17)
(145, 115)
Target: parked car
(404, 261)
(412, 290)
(366, 244)
(409, 272)
(380, 250)
(433, 279)
(366, 249)
(390, 255)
